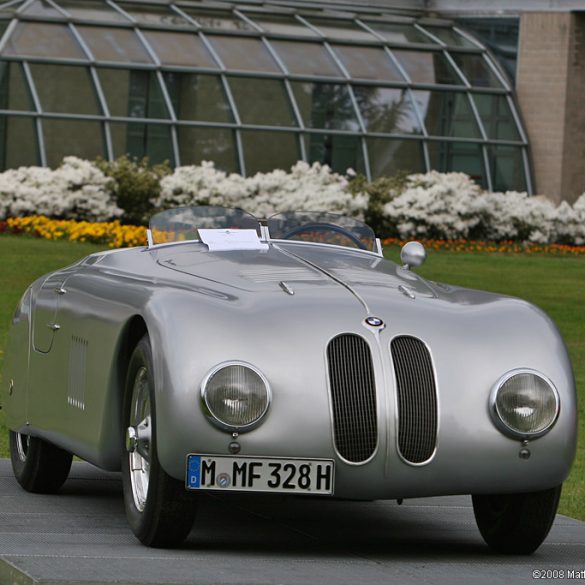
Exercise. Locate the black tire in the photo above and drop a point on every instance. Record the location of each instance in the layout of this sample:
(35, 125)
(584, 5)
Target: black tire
(516, 524)
(38, 466)
(161, 513)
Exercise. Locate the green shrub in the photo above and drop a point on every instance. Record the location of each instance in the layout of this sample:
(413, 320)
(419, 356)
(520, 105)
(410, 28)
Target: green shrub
(136, 184)
(381, 191)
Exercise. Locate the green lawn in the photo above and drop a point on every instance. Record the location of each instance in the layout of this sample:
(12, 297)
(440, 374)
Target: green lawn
(553, 283)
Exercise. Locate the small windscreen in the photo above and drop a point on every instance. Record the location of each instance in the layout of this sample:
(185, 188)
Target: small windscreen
(322, 228)
(182, 224)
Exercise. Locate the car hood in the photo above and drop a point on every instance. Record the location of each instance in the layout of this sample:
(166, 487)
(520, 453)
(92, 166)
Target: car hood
(307, 269)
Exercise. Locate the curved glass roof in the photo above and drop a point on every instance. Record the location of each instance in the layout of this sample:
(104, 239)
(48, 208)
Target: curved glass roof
(254, 87)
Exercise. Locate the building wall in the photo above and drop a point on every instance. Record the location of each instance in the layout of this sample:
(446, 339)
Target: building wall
(573, 170)
(550, 84)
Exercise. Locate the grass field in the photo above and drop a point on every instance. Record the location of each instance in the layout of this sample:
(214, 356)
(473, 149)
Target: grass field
(554, 283)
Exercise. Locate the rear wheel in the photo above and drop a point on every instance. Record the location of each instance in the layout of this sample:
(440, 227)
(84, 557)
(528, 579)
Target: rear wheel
(38, 466)
(516, 523)
(159, 509)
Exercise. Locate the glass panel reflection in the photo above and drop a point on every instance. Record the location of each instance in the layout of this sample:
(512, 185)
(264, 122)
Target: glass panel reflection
(8, 9)
(306, 58)
(224, 20)
(325, 105)
(507, 168)
(497, 117)
(114, 44)
(152, 14)
(81, 138)
(211, 144)
(501, 36)
(387, 110)
(37, 39)
(458, 156)
(132, 93)
(281, 24)
(447, 113)
(397, 32)
(140, 140)
(340, 29)
(477, 70)
(93, 10)
(185, 50)
(427, 67)
(14, 92)
(368, 63)
(449, 36)
(43, 9)
(18, 142)
(390, 156)
(198, 97)
(262, 101)
(266, 151)
(244, 54)
(339, 152)
(66, 89)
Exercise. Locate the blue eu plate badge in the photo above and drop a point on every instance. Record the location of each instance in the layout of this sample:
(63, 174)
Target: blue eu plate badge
(194, 472)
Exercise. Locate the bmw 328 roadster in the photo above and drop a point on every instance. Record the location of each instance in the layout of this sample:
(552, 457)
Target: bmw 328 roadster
(287, 356)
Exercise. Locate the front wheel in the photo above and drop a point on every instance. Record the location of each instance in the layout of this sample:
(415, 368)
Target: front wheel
(159, 509)
(39, 467)
(516, 523)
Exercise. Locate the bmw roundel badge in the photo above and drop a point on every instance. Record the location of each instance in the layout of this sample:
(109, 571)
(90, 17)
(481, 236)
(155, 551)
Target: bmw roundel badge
(374, 321)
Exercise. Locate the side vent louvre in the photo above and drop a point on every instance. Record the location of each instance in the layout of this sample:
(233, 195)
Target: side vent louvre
(77, 372)
(417, 399)
(353, 395)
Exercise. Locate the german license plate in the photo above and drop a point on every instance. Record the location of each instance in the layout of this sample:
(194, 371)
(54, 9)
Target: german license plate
(260, 474)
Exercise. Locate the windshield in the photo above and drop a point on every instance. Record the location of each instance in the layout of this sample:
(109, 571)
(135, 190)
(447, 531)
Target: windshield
(322, 228)
(183, 224)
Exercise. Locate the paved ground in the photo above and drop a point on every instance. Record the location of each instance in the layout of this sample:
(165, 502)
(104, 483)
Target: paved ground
(80, 537)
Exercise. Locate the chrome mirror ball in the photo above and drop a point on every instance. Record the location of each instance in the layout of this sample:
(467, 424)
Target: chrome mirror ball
(413, 255)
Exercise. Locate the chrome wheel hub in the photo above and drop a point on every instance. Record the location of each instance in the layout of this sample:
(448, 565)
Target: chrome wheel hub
(22, 445)
(138, 438)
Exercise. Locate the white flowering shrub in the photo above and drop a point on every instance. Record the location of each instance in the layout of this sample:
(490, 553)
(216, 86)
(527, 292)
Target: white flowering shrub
(76, 190)
(306, 188)
(452, 206)
(436, 205)
(570, 222)
(429, 205)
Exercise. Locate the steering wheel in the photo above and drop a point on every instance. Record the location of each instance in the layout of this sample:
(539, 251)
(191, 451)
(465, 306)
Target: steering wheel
(322, 227)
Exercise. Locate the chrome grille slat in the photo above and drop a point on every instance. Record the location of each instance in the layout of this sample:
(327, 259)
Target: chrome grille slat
(417, 399)
(353, 395)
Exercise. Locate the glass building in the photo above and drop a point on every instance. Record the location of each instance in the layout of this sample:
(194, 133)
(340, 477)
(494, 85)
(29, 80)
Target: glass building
(254, 86)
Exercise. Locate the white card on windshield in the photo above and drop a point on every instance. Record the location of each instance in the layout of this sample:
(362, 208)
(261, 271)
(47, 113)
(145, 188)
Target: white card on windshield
(225, 239)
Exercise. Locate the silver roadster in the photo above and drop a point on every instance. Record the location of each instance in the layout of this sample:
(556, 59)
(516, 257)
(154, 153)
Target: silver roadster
(287, 356)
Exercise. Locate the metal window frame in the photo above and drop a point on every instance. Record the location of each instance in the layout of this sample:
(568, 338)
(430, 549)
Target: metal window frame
(240, 11)
(38, 109)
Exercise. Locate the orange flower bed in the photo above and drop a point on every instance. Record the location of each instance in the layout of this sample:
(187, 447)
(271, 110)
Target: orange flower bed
(505, 247)
(113, 234)
(116, 235)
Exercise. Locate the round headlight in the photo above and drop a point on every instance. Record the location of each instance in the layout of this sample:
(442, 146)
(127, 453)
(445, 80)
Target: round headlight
(525, 404)
(236, 395)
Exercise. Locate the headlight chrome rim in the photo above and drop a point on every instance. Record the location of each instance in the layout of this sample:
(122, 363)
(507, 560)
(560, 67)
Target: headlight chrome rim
(499, 420)
(212, 417)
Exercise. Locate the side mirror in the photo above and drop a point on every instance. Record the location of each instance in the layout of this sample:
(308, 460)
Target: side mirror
(412, 255)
